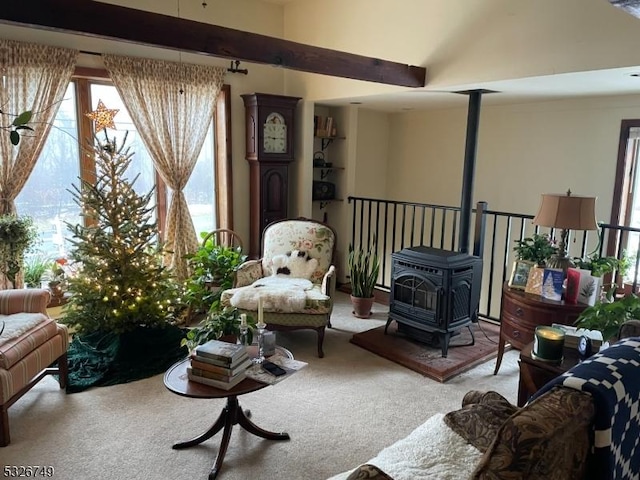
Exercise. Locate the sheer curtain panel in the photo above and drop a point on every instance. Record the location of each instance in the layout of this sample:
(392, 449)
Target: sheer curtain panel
(172, 105)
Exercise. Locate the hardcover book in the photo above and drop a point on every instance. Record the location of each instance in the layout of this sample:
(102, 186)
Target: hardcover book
(216, 383)
(215, 376)
(222, 351)
(204, 364)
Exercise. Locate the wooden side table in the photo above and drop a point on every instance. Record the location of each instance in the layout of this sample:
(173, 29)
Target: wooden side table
(534, 374)
(521, 313)
(177, 381)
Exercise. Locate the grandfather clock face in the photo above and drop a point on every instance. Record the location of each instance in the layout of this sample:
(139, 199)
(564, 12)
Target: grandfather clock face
(274, 134)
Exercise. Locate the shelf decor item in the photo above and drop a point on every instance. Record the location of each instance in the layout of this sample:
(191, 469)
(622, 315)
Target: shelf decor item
(565, 212)
(520, 274)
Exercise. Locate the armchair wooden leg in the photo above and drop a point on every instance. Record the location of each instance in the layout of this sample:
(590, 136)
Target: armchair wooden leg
(320, 331)
(4, 426)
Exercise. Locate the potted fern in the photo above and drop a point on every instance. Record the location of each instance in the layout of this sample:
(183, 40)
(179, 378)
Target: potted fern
(364, 266)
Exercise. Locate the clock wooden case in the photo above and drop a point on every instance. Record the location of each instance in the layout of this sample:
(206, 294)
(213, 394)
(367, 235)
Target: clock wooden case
(269, 130)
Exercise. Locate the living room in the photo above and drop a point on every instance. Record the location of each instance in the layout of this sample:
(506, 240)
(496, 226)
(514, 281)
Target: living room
(408, 144)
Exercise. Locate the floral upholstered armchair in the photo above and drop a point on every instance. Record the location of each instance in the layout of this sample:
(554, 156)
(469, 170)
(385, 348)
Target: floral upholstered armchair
(294, 279)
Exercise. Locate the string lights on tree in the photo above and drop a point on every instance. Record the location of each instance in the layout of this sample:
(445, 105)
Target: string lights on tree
(122, 283)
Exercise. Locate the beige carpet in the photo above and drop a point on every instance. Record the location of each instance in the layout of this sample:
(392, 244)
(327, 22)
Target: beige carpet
(340, 411)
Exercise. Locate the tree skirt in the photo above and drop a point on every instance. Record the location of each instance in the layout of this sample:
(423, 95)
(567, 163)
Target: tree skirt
(101, 359)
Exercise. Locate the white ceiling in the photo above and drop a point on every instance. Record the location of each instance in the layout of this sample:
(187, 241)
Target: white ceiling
(534, 89)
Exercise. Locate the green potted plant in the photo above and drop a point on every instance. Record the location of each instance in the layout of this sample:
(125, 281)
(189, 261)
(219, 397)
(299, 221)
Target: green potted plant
(217, 325)
(364, 266)
(537, 248)
(607, 316)
(600, 266)
(35, 266)
(17, 235)
(212, 271)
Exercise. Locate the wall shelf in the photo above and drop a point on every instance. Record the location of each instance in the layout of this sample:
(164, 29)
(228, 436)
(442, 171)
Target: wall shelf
(326, 141)
(325, 203)
(325, 171)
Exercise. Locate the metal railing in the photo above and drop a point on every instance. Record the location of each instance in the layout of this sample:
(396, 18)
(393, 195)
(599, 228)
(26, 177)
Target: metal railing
(393, 225)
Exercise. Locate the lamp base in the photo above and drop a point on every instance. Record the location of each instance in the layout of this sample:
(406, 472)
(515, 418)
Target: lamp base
(560, 261)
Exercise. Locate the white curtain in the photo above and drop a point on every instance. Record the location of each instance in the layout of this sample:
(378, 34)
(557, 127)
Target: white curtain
(171, 105)
(33, 77)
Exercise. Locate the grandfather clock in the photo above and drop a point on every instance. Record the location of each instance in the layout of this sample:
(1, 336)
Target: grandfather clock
(269, 126)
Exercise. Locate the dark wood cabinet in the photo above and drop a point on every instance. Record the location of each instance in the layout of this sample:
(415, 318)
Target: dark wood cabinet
(269, 130)
(522, 312)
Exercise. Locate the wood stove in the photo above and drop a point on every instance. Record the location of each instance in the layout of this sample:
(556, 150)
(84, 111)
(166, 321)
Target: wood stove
(434, 293)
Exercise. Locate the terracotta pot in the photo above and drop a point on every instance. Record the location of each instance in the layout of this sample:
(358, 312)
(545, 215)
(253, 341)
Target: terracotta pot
(362, 306)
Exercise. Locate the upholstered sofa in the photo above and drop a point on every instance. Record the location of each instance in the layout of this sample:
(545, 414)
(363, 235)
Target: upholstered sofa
(582, 425)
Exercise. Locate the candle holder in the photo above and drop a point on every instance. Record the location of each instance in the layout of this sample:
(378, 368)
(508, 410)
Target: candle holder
(261, 328)
(243, 339)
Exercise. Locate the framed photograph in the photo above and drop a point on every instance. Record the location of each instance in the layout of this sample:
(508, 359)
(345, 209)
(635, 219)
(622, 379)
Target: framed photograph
(520, 274)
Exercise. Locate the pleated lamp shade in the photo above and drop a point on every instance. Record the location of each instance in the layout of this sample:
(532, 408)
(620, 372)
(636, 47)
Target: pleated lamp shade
(567, 211)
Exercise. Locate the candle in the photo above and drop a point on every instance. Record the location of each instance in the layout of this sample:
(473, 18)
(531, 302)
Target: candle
(260, 314)
(548, 343)
(243, 319)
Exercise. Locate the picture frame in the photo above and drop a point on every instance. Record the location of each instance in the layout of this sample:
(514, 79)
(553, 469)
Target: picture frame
(520, 274)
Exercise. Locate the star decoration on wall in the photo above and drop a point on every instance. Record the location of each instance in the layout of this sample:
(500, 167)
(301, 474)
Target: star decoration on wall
(103, 117)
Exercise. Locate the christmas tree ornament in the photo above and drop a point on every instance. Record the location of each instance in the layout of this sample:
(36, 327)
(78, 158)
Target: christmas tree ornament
(103, 117)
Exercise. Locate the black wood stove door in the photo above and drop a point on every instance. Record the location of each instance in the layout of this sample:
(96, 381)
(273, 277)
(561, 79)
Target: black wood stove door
(417, 298)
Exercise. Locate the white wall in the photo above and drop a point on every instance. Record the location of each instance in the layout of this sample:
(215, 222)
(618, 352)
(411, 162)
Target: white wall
(523, 151)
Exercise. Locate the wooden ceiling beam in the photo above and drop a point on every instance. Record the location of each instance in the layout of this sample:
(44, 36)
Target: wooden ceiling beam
(114, 22)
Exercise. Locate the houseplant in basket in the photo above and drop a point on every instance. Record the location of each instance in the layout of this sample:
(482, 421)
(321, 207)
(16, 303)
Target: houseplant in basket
(364, 266)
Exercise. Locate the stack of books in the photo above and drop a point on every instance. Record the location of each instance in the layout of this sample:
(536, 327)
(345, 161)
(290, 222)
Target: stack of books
(219, 364)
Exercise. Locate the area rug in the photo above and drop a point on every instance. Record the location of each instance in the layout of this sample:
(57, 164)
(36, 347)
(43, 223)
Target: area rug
(428, 360)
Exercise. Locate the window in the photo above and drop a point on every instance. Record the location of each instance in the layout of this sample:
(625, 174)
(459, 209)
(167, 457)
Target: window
(626, 196)
(47, 194)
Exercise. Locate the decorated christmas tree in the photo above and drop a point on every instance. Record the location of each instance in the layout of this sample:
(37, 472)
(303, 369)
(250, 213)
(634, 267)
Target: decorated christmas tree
(121, 283)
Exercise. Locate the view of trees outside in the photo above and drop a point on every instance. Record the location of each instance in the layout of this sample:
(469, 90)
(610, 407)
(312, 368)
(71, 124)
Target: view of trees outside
(46, 196)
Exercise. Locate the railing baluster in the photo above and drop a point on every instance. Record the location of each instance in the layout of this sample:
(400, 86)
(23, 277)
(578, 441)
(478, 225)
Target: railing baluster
(499, 261)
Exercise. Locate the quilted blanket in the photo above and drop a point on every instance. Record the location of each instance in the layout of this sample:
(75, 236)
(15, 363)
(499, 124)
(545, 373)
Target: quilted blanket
(612, 378)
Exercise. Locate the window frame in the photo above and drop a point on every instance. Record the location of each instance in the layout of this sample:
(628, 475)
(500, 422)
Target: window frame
(223, 191)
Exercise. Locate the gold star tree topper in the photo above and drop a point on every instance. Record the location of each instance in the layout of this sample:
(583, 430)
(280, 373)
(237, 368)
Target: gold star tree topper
(103, 117)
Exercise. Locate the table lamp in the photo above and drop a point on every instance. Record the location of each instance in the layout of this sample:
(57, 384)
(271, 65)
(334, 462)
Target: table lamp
(566, 212)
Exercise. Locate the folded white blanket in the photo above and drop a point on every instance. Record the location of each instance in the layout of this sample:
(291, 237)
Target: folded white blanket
(279, 294)
(431, 452)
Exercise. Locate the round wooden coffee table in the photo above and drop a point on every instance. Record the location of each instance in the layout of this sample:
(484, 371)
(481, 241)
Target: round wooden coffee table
(176, 380)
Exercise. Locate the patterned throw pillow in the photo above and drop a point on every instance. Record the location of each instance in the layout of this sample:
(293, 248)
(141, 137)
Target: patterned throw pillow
(480, 417)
